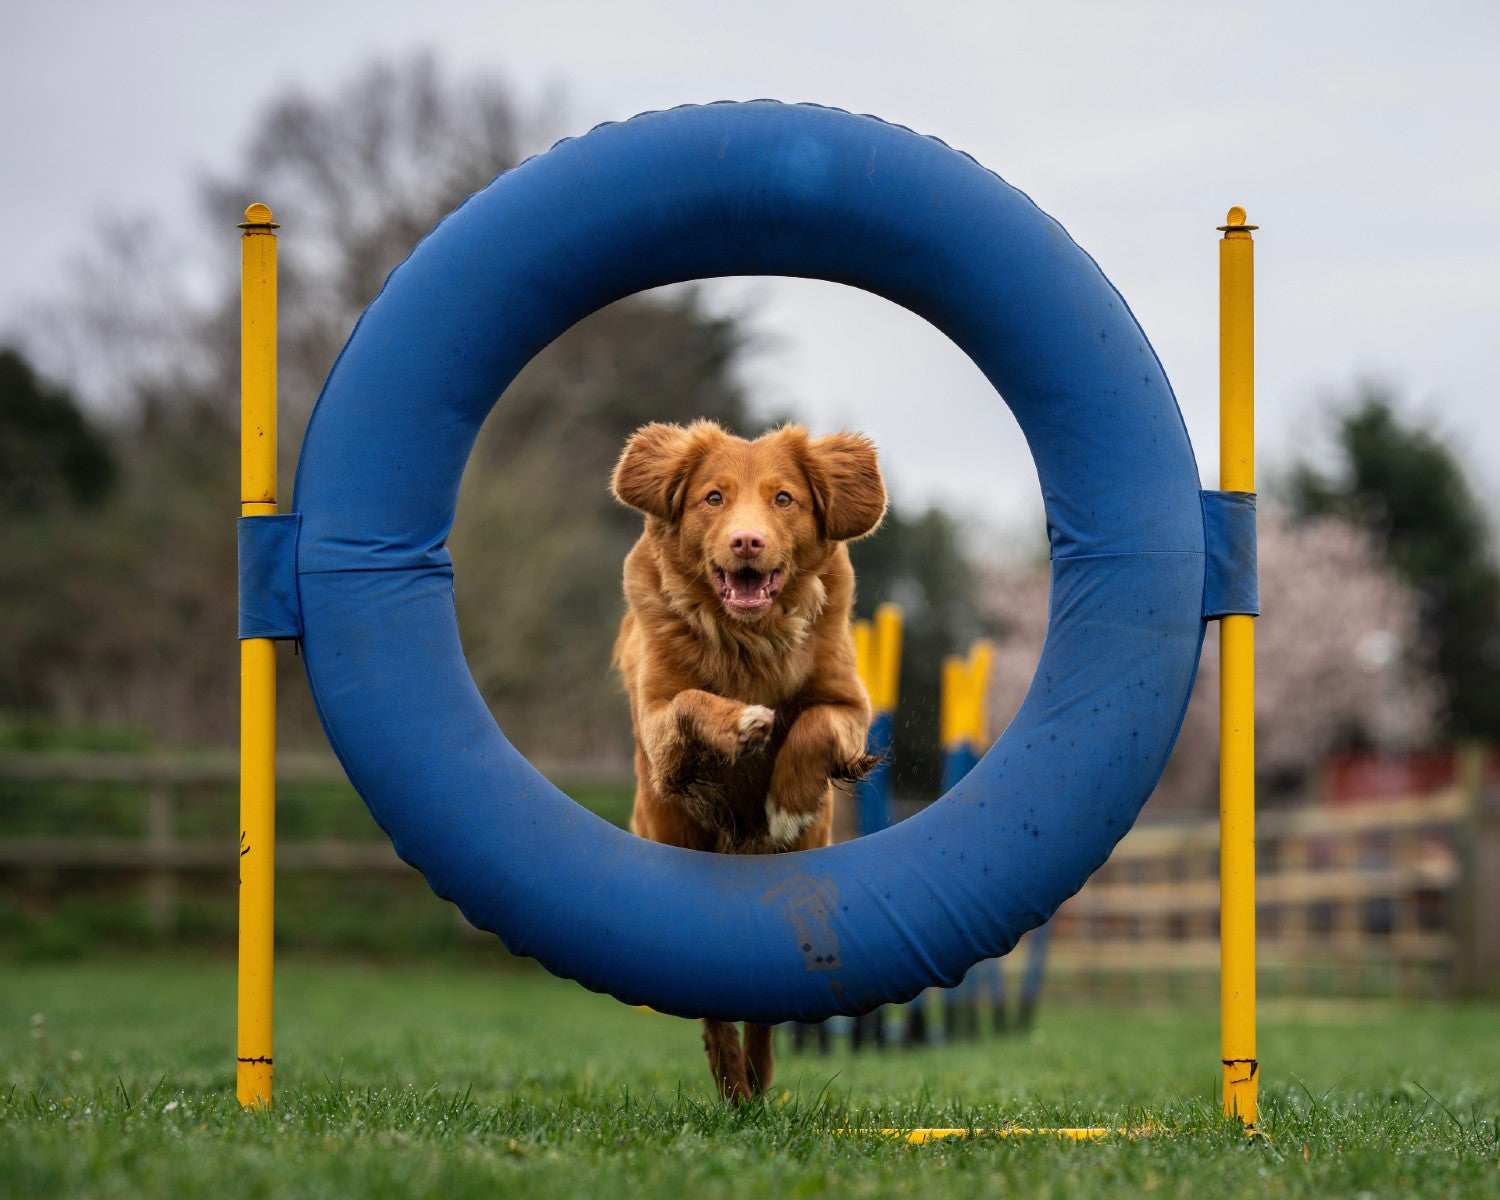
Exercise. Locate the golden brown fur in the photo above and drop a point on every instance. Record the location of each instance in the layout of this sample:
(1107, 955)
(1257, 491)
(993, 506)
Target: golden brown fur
(736, 650)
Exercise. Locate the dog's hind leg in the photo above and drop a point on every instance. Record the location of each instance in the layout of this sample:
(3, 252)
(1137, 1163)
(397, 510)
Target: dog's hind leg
(726, 1060)
(760, 1057)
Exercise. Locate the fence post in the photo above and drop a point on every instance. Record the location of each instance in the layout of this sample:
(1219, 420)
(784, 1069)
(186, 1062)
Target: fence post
(161, 881)
(1478, 932)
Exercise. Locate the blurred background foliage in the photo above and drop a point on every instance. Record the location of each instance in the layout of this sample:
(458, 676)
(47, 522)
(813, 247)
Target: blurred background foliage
(1404, 485)
(117, 561)
(118, 474)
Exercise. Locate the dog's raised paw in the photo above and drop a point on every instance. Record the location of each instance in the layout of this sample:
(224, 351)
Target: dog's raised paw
(754, 725)
(854, 769)
(783, 828)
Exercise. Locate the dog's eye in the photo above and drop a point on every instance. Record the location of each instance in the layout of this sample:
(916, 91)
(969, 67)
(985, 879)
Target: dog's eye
(783, 499)
(714, 498)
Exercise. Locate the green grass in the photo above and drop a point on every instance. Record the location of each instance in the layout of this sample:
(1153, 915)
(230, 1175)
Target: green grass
(116, 1080)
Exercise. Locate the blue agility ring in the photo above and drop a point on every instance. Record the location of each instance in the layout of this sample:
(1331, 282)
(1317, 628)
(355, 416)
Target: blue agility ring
(750, 189)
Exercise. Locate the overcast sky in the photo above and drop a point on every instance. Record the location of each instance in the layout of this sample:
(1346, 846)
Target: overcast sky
(1361, 137)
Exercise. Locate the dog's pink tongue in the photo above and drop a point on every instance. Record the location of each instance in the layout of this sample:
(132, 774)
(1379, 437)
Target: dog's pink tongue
(745, 586)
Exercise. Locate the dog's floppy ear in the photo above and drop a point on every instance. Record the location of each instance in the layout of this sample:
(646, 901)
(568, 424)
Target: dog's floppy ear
(848, 491)
(655, 465)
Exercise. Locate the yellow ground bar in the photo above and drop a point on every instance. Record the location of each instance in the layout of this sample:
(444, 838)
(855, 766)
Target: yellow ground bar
(918, 1137)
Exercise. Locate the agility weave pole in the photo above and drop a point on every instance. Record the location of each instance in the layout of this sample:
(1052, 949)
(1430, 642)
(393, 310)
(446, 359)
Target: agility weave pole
(964, 710)
(1237, 685)
(257, 866)
(359, 572)
(877, 657)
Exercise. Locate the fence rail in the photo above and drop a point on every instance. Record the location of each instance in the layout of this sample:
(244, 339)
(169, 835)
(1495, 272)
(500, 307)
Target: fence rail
(1400, 896)
(159, 791)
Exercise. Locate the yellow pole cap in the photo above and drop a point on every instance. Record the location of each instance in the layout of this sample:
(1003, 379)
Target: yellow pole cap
(258, 216)
(1235, 223)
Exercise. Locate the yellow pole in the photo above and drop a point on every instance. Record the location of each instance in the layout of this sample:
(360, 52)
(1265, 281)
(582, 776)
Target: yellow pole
(1237, 686)
(886, 663)
(864, 656)
(951, 723)
(257, 666)
(981, 663)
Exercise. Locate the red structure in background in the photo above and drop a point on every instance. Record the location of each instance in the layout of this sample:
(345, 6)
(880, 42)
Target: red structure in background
(1358, 776)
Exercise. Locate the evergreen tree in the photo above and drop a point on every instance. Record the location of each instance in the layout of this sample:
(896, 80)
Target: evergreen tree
(50, 453)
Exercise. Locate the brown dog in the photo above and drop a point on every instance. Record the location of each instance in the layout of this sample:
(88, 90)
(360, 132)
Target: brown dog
(737, 653)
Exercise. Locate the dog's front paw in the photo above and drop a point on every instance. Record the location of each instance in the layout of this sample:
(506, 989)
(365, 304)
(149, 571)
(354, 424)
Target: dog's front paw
(754, 726)
(852, 770)
(783, 828)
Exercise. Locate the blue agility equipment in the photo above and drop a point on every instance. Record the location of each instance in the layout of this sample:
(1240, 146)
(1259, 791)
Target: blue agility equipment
(750, 189)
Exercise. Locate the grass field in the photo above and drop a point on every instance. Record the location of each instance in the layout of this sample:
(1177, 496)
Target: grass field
(455, 1081)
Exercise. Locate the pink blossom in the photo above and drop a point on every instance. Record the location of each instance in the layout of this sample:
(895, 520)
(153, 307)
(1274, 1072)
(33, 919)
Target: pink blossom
(1340, 658)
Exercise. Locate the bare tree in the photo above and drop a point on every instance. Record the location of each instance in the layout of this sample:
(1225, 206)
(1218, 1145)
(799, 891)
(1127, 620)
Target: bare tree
(129, 612)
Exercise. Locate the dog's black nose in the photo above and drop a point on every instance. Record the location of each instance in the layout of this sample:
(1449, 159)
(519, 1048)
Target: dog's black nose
(747, 543)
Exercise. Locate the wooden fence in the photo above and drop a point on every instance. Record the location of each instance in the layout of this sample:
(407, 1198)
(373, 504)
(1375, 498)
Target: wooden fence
(1390, 897)
(177, 826)
(1395, 897)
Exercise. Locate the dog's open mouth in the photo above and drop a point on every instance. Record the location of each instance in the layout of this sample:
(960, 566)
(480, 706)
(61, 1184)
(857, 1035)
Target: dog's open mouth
(747, 592)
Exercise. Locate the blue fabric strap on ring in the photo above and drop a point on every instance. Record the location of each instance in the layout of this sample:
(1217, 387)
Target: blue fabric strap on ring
(1231, 585)
(269, 604)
